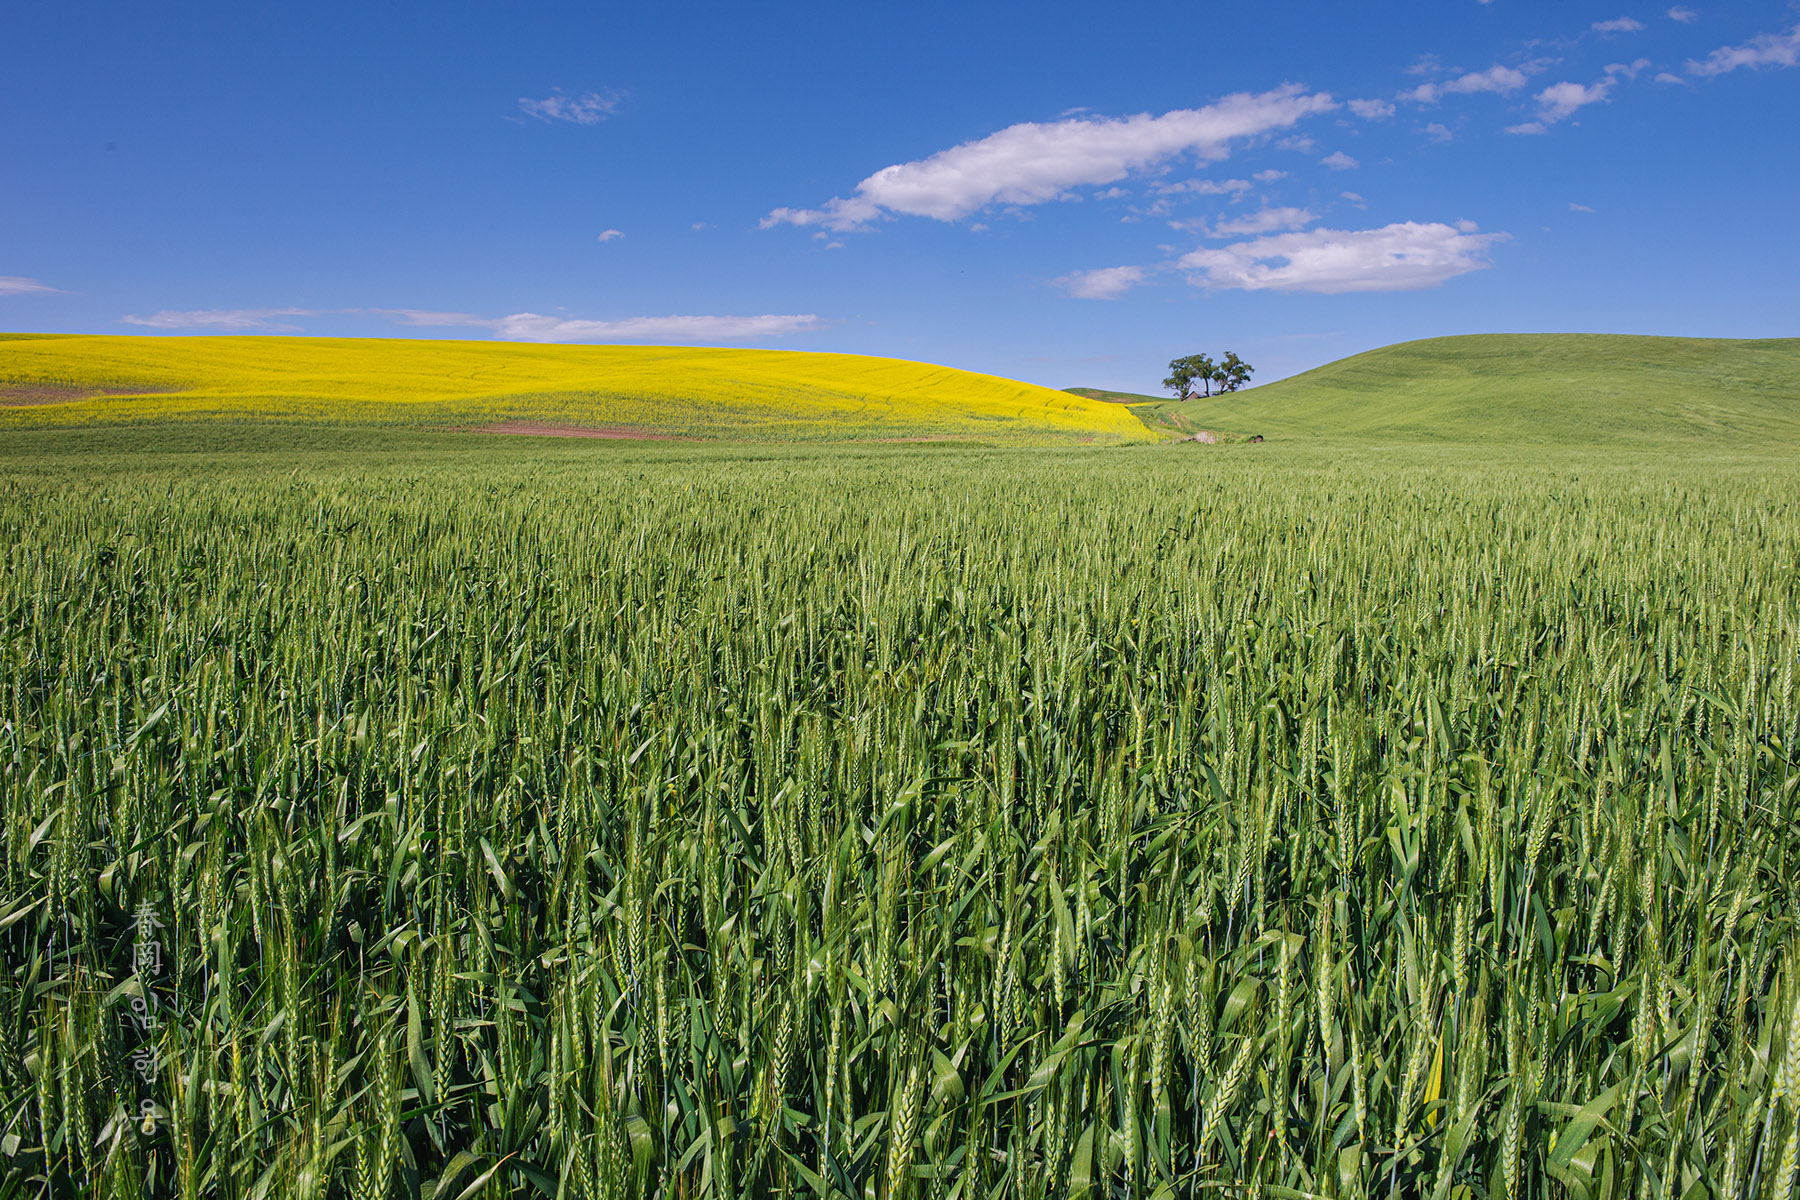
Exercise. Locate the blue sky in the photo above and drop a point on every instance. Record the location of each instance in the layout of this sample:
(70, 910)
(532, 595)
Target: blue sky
(1070, 194)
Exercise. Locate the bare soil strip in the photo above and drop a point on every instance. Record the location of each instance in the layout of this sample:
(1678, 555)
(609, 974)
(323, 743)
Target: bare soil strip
(30, 395)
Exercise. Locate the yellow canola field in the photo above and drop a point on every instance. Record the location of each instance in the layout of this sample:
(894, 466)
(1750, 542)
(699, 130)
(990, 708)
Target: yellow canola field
(74, 380)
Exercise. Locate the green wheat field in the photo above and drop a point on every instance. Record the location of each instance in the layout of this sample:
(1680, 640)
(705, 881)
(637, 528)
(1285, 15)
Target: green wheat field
(400, 813)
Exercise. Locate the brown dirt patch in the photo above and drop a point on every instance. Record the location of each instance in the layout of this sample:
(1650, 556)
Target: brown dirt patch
(539, 429)
(29, 395)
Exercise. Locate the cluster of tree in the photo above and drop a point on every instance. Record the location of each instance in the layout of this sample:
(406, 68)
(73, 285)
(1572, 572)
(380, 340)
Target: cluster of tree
(1199, 370)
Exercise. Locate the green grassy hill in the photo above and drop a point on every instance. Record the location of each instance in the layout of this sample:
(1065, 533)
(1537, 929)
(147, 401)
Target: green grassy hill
(1561, 388)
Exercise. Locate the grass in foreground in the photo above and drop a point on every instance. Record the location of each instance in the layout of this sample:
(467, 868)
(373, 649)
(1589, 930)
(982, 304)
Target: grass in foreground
(624, 821)
(70, 381)
(1678, 394)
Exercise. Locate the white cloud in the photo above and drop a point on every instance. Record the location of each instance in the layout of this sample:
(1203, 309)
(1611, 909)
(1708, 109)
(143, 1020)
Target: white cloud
(1404, 256)
(1438, 132)
(531, 327)
(1560, 101)
(225, 320)
(1495, 79)
(1032, 163)
(1668, 77)
(1630, 70)
(18, 285)
(1574, 207)
(1298, 142)
(608, 235)
(1763, 50)
(1104, 283)
(1266, 220)
(1685, 15)
(1372, 110)
(1268, 176)
(589, 108)
(1354, 198)
(1618, 25)
(429, 318)
(1210, 187)
(1337, 160)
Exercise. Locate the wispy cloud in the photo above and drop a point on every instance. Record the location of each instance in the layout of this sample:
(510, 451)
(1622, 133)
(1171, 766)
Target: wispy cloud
(1574, 207)
(589, 108)
(430, 318)
(1618, 25)
(519, 327)
(1405, 256)
(532, 327)
(1210, 187)
(1337, 160)
(1438, 132)
(1686, 16)
(1496, 78)
(1266, 220)
(1372, 110)
(611, 235)
(1763, 50)
(1103, 283)
(1032, 163)
(225, 320)
(18, 285)
(1560, 101)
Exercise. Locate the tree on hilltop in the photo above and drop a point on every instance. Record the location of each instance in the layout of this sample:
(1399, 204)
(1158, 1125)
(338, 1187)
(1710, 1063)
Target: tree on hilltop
(1185, 372)
(1230, 374)
(1233, 372)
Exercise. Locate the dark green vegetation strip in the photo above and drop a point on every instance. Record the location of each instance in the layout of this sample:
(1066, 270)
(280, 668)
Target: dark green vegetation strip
(607, 820)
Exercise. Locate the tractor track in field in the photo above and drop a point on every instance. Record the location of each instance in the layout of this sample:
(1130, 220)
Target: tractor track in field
(544, 429)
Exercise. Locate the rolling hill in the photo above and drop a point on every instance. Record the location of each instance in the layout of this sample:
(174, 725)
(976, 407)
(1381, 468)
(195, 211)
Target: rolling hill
(1565, 388)
(63, 381)
(1113, 397)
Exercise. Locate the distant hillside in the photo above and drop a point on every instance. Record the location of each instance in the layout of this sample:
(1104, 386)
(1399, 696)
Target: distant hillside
(1114, 397)
(55, 381)
(1578, 389)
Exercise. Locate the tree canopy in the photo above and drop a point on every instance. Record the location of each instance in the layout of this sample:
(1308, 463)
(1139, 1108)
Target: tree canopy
(1229, 373)
(1184, 373)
